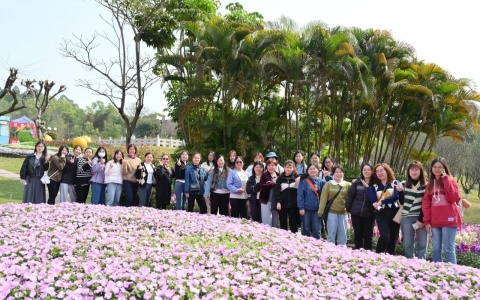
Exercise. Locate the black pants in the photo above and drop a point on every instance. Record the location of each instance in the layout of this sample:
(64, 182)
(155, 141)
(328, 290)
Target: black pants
(53, 188)
(239, 208)
(200, 201)
(219, 203)
(255, 210)
(82, 192)
(162, 206)
(389, 230)
(289, 217)
(363, 229)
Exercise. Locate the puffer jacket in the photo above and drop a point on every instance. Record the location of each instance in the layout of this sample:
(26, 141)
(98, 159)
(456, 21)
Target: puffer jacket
(285, 191)
(357, 201)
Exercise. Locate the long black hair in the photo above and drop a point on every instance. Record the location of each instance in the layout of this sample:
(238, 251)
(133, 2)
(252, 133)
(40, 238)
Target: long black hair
(60, 149)
(98, 150)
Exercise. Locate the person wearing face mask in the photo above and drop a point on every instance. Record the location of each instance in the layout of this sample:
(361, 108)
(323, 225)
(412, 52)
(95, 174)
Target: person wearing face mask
(98, 176)
(145, 179)
(83, 165)
(67, 189)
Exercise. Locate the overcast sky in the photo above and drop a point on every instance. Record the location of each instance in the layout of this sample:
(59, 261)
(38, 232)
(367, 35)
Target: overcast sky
(442, 32)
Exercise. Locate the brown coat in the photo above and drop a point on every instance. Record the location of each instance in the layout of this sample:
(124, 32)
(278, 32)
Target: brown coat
(57, 164)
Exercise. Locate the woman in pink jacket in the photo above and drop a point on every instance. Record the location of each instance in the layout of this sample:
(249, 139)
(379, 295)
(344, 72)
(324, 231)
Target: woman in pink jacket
(441, 213)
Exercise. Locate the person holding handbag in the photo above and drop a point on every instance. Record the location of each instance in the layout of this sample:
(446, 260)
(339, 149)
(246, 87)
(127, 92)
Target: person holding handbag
(384, 196)
(216, 187)
(440, 210)
(308, 201)
(57, 163)
(411, 194)
(335, 194)
(195, 184)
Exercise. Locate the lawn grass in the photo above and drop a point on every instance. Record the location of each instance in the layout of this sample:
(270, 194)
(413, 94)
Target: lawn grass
(10, 191)
(11, 164)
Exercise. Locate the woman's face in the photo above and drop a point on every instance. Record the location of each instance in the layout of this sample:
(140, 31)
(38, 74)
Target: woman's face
(315, 160)
(338, 175)
(437, 169)
(288, 169)
(238, 164)
(313, 171)
(232, 157)
(367, 172)
(298, 158)
(149, 158)
(328, 164)
(271, 168)
(64, 152)
(40, 148)
(381, 173)
(258, 170)
(131, 151)
(77, 151)
(210, 157)
(165, 160)
(118, 156)
(184, 156)
(220, 162)
(88, 153)
(196, 159)
(414, 172)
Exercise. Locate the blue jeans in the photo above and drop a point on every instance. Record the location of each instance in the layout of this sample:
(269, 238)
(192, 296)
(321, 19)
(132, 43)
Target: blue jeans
(98, 193)
(312, 224)
(144, 195)
(337, 228)
(408, 234)
(130, 189)
(180, 196)
(444, 237)
(114, 191)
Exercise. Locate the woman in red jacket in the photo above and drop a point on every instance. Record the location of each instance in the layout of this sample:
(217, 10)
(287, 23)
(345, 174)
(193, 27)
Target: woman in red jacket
(441, 214)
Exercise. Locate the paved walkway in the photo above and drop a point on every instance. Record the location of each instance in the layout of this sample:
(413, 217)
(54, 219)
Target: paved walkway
(7, 174)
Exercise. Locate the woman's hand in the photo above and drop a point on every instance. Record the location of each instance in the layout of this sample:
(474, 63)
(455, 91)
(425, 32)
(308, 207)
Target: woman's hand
(302, 212)
(240, 190)
(187, 195)
(428, 228)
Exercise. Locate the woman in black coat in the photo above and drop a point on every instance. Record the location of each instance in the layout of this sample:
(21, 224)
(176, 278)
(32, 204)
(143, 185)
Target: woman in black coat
(163, 176)
(32, 170)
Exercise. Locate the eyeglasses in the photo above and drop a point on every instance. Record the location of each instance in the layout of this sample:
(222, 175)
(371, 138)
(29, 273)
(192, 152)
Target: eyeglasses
(166, 158)
(239, 162)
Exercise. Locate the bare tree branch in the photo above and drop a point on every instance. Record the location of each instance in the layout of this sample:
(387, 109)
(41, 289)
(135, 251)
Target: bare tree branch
(8, 89)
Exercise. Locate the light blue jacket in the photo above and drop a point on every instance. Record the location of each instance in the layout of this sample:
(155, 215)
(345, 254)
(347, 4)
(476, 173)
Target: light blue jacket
(234, 182)
(221, 183)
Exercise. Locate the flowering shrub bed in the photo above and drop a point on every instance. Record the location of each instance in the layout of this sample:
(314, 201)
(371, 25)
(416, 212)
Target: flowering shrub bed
(468, 239)
(72, 251)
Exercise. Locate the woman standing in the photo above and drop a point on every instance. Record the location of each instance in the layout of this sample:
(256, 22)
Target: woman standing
(129, 167)
(256, 157)
(195, 184)
(232, 155)
(145, 177)
(83, 166)
(113, 179)
(67, 189)
(285, 195)
(441, 213)
(253, 189)
(335, 190)
(361, 209)
(210, 163)
(384, 196)
(308, 201)
(327, 168)
(300, 164)
(315, 158)
(267, 183)
(237, 184)
(98, 176)
(411, 194)
(180, 168)
(216, 187)
(57, 163)
(164, 178)
(32, 170)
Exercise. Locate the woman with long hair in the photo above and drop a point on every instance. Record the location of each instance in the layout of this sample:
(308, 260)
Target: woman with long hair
(384, 196)
(163, 186)
(361, 209)
(441, 213)
(300, 165)
(98, 176)
(253, 189)
(145, 178)
(232, 156)
(180, 168)
(216, 187)
(411, 194)
(67, 187)
(57, 163)
(33, 168)
(113, 179)
(195, 184)
(267, 183)
(285, 196)
(83, 169)
(257, 157)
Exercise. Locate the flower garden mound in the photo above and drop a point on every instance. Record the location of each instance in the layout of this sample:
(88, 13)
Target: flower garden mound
(72, 251)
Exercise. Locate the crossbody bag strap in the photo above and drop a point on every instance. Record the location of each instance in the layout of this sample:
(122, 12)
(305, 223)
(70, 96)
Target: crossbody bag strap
(312, 186)
(334, 197)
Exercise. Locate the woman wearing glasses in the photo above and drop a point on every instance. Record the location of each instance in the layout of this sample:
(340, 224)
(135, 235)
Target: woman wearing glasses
(163, 176)
(236, 183)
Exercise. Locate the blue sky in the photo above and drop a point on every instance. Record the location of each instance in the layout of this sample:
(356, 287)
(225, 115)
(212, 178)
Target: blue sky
(443, 32)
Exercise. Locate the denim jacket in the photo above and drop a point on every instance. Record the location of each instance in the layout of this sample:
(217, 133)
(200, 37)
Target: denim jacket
(192, 176)
(221, 183)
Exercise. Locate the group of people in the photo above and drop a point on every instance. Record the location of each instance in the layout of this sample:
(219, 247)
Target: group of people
(314, 197)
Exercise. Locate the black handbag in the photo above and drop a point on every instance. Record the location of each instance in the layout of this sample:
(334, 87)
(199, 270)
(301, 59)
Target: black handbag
(195, 188)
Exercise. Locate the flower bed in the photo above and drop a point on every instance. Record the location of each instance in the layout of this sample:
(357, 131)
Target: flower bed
(72, 251)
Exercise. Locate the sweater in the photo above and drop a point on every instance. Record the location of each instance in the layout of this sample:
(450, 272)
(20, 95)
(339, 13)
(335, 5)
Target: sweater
(98, 171)
(411, 198)
(129, 166)
(440, 205)
(234, 183)
(329, 191)
(83, 171)
(306, 198)
(285, 191)
(113, 172)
